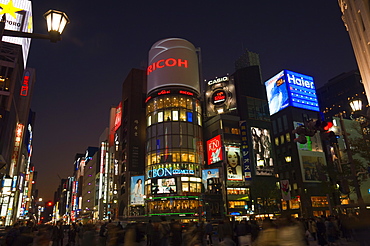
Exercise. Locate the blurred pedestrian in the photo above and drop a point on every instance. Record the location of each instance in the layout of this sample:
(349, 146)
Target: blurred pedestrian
(208, 232)
(268, 235)
(243, 233)
(72, 235)
(149, 230)
(57, 234)
(290, 232)
(12, 235)
(176, 233)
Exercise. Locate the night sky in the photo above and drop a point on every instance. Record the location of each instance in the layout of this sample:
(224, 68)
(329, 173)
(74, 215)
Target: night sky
(80, 78)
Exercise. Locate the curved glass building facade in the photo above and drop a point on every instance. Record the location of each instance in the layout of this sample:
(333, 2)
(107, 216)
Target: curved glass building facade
(174, 152)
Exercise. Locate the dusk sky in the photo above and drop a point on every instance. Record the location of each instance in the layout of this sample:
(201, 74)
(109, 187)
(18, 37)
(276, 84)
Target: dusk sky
(80, 78)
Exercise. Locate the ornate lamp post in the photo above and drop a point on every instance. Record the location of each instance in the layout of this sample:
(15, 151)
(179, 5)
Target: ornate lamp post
(56, 22)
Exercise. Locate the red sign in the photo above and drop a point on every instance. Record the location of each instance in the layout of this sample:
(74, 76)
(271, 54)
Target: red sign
(117, 121)
(170, 62)
(214, 150)
(24, 88)
(219, 97)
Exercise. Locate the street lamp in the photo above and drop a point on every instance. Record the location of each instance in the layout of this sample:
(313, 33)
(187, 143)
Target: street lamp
(55, 20)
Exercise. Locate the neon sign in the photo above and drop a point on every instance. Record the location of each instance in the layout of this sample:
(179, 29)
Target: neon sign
(219, 97)
(164, 172)
(24, 87)
(219, 80)
(170, 62)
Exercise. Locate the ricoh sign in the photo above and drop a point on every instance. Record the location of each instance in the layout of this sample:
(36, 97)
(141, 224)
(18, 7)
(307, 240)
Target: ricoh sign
(173, 62)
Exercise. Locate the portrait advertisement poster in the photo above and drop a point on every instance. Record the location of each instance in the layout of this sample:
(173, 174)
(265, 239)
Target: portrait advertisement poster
(285, 190)
(233, 159)
(214, 150)
(137, 190)
(166, 186)
(277, 93)
(262, 151)
(313, 143)
(207, 174)
(312, 165)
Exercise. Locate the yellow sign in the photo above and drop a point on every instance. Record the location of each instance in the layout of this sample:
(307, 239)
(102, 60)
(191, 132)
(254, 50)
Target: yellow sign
(9, 9)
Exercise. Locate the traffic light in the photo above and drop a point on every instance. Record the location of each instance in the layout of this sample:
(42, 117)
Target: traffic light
(49, 204)
(343, 186)
(310, 128)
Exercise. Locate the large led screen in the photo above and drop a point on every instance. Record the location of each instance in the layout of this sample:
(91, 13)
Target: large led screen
(289, 88)
(166, 186)
(214, 150)
(233, 159)
(262, 151)
(208, 174)
(137, 190)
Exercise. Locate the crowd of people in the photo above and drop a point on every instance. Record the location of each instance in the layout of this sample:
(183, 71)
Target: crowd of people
(283, 231)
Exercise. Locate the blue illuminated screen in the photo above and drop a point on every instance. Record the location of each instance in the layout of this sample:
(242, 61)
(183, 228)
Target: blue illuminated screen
(289, 88)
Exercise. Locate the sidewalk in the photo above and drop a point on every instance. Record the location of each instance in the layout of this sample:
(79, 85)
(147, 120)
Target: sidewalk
(340, 242)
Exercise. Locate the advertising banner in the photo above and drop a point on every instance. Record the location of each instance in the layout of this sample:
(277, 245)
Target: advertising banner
(137, 190)
(214, 150)
(289, 88)
(166, 186)
(262, 151)
(207, 174)
(234, 169)
(245, 151)
(220, 96)
(312, 164)
(285, 190)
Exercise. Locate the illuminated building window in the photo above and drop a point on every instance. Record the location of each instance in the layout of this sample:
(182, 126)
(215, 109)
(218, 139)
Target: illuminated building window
(282, 140)
(160, 116)
(287, 136)
(199, 120)
(294, 203)
(175, 115)
(277, 141)
(237, 204)
(319, 201)
(238, 191)
(284, 205)
(235, 131)
(182, 115)
(149, 120)
(189, 116)
(167, 115)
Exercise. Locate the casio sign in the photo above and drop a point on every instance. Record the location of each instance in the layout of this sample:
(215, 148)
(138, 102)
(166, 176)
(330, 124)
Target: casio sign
(219, 80)
(300, 81)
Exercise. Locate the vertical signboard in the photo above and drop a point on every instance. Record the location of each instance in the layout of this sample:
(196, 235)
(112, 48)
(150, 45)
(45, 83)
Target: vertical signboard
(234, 169)
(208, 174)
(285, 190)
(214, 150)
(137, 190)
(245, 151)
(262, 151)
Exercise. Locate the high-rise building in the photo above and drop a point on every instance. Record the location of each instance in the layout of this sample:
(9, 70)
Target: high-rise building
(130, 132)
(300, 164)
(174, 141)
(356, 18)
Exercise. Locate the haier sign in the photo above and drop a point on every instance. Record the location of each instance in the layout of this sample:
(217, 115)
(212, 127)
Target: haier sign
(289, 88)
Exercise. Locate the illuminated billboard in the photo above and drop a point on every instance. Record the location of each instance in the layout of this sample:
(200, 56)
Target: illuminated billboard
(208, 174)
(262, 151)
(173, 62)
(18, 14)
(214, 150)
(220, 96)
(289, 88)
(137, 190)
(233, 159)
(312, 166)
(164, 186)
